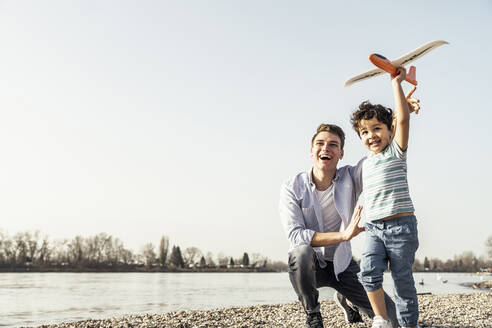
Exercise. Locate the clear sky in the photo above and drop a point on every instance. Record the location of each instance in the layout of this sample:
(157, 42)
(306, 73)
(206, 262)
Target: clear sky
(183, 118)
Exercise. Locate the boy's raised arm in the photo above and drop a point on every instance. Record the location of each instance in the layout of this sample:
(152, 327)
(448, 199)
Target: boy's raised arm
(402, 113)
(413, 105)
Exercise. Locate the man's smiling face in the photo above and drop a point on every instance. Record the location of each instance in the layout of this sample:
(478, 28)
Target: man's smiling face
(326, 150)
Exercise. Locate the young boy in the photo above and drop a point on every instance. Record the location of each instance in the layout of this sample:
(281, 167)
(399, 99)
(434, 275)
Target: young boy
(391, 227)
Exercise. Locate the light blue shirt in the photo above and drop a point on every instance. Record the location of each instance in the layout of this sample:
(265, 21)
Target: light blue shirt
(300, 210)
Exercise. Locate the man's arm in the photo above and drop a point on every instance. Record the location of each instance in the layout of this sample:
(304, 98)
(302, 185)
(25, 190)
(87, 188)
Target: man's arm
(292, 218)
(295, 228)
(402, 113)
(329, 238)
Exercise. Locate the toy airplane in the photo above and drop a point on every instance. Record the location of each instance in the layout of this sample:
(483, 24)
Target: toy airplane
(384, 65)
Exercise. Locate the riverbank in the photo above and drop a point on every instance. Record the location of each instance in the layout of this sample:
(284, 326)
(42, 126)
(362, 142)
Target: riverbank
(439, 311)
(484, 285)
(139, 269)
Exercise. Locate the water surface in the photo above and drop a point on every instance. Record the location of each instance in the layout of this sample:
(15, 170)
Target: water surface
(32, 299)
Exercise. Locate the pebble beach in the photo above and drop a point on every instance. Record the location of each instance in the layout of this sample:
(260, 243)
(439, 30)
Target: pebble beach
(440, 311)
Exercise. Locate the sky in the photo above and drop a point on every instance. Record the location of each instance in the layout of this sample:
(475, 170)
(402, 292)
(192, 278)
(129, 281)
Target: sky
(183, 118)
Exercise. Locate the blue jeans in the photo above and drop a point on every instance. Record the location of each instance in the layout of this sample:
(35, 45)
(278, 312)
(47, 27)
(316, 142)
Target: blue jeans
(393, 241)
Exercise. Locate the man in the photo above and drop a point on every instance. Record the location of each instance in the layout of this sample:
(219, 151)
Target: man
(316, 209)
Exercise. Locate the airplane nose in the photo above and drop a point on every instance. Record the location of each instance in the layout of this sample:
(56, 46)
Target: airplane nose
(380, 56)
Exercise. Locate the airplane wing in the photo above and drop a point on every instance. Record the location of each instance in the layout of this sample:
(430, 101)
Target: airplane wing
(364, 76)
(402, 61)
(417, 53)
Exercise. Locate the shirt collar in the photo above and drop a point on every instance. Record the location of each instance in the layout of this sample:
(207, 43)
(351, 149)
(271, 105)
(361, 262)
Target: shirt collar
(311, 181)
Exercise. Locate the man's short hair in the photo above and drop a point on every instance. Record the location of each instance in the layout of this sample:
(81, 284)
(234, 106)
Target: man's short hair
(332, 128)
(367, 111)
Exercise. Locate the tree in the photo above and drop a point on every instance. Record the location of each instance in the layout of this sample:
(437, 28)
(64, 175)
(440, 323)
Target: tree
(191, 255)
(257, 260)
(210, 260)
(231, 262)
(149, 254)
(8, 248)
(222, 260)
(467, 259)
(95, 246)
(3, 239)
(21, 248)
(126, 256)
(32, 245)
(45, 251)
(203, 263)
(110, 246)
(163, 250)
(279, 266)
(76, 251)
(417, 266)
(435, 264)
(60, 251)
(426, 264)
(176, 257)
(120, 254)
(488, 246)
(245, 260)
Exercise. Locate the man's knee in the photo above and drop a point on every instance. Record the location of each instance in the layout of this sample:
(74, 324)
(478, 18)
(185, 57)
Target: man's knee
(302, 257)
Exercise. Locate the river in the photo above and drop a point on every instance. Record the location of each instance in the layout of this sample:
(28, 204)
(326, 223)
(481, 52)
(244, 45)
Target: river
(32, 299)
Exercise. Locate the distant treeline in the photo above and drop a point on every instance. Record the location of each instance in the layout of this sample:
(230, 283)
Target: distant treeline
(29, 251)
(466, 262)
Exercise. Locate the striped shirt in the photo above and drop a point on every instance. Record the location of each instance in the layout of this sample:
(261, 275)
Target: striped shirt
(384, 179)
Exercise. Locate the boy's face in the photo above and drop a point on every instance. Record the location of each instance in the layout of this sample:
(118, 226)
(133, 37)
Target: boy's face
(374, 134)
(326, 150)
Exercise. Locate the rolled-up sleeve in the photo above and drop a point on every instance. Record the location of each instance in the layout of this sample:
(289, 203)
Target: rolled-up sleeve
(293, 219)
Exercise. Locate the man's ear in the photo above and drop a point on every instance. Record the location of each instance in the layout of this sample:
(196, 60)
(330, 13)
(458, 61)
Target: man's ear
(341, 156)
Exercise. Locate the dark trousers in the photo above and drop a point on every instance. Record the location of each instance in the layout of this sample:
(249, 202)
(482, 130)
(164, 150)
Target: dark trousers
(307, 276)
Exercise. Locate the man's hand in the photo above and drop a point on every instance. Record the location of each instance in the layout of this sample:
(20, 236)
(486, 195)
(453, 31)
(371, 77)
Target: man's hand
(413, 103)
(353, 228)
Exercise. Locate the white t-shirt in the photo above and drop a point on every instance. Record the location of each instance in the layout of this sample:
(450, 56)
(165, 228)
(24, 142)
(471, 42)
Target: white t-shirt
(331, 218)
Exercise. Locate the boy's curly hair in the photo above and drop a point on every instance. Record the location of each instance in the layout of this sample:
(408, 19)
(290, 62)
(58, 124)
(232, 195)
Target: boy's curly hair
(367, 111)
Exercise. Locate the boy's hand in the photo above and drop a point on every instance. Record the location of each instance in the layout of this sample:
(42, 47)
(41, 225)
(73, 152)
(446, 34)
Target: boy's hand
(413, 103)
(401, 73)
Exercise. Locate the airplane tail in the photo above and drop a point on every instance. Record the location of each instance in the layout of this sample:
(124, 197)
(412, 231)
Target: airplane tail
(411, 75)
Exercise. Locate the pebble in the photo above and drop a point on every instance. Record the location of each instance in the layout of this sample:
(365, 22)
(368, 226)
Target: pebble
(436, 311)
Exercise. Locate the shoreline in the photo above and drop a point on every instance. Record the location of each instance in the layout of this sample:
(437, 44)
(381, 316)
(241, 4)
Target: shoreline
(437, 311)
(483, 285)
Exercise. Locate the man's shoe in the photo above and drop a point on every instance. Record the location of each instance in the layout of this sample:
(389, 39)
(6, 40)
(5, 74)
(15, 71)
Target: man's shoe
(350, 314)
(379, 322)
(314, 320)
